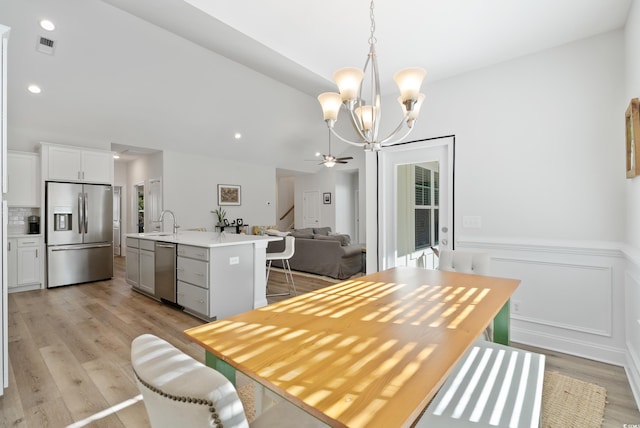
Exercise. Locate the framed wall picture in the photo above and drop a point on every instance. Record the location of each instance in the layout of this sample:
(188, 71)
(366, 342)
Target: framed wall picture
(632, 121)
(326, 198)
(228, 194)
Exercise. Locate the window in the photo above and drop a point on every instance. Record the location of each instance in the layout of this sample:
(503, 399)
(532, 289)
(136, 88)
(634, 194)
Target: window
(427, 195)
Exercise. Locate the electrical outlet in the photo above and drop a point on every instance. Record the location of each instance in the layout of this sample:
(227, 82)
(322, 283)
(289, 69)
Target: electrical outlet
(234, 260)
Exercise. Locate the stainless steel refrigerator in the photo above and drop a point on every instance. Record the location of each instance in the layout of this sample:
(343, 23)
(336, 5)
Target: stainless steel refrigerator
(79, 233)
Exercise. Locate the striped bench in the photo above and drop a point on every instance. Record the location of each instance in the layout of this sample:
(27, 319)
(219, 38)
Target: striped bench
(492, 386)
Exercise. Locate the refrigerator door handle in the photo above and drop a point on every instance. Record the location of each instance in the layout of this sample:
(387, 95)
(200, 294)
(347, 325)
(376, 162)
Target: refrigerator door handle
(77, 247)
(80, 214)
(86, 212)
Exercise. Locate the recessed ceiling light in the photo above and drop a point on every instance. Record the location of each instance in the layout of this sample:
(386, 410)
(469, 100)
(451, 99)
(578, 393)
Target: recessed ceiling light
(116, 156)
(34, 89)
(318, 154)
(47, 25)
(237, 135)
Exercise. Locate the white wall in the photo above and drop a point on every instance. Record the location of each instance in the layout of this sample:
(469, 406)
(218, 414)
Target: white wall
(539, 157)
(120, 178)
(343, 199)
(191, 190)
(632, 289)
(538, 143)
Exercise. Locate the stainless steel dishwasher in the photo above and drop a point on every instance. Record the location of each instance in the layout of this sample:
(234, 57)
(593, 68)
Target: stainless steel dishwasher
(165, 273)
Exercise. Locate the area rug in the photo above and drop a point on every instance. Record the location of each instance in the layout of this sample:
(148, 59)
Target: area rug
(569, 402)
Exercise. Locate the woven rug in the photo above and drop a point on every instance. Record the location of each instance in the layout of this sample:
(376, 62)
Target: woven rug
(569, 402)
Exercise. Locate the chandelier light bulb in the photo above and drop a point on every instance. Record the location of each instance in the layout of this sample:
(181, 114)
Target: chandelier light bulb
(366, 114)
(415, 111)
(330, 102)
(409, 81)
(348, 80)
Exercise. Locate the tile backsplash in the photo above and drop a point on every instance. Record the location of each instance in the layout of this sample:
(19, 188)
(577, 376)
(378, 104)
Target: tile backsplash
(17, 222)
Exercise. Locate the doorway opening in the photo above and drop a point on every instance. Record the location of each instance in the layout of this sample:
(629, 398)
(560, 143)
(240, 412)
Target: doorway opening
(138, 191)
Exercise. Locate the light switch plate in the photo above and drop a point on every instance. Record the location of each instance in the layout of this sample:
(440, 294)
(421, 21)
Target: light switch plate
(472, 222)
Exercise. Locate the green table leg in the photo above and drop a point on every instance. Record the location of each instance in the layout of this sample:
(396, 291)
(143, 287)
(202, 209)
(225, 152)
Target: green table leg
(223, 367)
(501, 325)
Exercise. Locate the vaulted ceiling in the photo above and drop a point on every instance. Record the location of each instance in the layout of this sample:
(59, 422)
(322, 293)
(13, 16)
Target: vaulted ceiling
(186, 75)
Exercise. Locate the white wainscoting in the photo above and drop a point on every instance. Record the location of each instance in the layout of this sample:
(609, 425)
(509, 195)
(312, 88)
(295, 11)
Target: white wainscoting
(571, 298)
(587, 288)
(632, 310)
(580, 298)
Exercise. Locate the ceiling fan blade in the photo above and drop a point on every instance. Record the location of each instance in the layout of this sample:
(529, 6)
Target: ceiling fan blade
(345, 158)
(339, 161)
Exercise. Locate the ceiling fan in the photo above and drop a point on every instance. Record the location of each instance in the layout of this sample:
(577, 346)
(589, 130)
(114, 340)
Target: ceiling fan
(330, 160)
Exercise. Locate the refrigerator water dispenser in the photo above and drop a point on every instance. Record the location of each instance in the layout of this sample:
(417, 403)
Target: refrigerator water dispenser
(62, 221)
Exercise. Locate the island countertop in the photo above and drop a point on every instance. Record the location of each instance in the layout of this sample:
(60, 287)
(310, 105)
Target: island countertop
(204, 239)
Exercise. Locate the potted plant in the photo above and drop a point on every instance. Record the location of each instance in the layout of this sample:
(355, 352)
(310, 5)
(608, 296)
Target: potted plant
(221, 214)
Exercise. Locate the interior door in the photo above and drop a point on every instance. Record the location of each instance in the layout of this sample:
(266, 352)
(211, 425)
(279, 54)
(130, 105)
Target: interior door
(311, 208)
(153, 206)
(415, 202)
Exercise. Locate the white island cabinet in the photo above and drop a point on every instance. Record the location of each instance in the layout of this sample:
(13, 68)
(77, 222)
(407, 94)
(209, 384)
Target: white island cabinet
(216, 282)
(218, 275)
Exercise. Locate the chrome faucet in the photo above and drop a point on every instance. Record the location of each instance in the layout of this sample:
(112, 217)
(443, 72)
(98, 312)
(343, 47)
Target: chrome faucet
(173, 216)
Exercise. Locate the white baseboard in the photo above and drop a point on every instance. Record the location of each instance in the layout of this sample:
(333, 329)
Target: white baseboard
(590, 350)
(632, 368)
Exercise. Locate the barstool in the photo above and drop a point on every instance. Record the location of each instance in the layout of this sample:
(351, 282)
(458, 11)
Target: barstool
(284, 255)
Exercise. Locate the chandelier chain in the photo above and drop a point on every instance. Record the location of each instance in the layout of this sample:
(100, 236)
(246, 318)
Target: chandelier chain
(372, 37)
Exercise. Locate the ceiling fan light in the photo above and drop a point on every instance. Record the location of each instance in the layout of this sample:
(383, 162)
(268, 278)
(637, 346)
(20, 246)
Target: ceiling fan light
(330, 163)
(366, 114)
(409, 81)
(348, 80)
(330, 103)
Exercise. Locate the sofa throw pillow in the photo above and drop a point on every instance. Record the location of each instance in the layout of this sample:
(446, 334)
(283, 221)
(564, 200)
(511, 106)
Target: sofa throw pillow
(344, 240)
(275, 232)
(322, 231)
(306, 232)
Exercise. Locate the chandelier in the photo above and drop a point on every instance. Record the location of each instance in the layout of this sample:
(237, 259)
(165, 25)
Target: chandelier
(364, 117)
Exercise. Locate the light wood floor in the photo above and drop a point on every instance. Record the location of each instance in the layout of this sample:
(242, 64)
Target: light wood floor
(70, 364)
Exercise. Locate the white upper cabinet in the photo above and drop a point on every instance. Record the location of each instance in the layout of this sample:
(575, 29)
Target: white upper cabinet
(23, 171)
(75, 164)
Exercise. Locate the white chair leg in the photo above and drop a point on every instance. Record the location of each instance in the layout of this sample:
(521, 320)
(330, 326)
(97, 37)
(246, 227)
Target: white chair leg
(295, 292)
(288, 293)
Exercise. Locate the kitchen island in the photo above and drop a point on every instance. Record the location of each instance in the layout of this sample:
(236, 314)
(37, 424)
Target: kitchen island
(217, 275)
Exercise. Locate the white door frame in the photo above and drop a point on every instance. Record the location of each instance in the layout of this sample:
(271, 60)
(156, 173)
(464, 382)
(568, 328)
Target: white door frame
(412, 152)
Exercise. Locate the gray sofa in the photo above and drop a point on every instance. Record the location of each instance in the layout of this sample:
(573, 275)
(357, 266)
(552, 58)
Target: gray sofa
(321, 253)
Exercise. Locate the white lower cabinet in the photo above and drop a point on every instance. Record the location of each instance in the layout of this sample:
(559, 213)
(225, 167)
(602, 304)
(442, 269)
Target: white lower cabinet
(147, 267)
(193, 299)
(192, 272)
(133, 262)
(25, 264)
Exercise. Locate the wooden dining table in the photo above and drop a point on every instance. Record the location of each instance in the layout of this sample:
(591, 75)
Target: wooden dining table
(367, 352)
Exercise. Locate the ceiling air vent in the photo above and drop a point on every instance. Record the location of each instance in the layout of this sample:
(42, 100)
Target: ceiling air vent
(45, 45)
